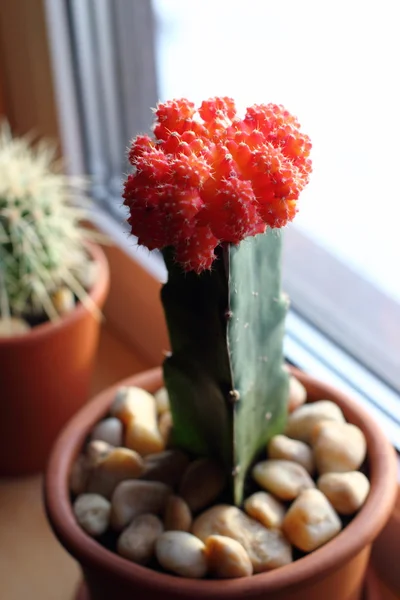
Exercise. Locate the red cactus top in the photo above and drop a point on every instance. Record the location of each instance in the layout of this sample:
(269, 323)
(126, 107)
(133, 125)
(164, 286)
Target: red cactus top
(211, 177)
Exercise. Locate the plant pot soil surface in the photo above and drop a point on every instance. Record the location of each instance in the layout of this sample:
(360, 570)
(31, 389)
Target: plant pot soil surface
(336, 571)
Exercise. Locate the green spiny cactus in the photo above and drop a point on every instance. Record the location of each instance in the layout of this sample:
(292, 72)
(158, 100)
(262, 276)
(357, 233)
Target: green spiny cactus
(227, 386)
(41, 236)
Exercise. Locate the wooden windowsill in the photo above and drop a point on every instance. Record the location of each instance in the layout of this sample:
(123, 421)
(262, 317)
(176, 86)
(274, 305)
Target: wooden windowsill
(33, 565)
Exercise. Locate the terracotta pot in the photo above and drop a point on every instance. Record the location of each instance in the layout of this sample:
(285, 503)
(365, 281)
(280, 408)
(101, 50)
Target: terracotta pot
(334, 572)
(45, 378)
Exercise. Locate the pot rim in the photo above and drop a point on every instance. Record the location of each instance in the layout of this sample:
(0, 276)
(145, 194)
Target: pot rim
(97, 293)
(358, 534)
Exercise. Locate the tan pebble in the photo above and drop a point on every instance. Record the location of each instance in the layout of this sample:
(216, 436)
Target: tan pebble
(92, 513)
(79, 475)
(338, 447)
(13, 326)
(283, 478)
(109, 430)
(177, 515)
(120, 464)
(226, 558)
(165, 426)
(302, 421)
(136, 408)
(182, 553)
(137, 542)
(266, 509)
(135, 497)
(297, 393)
(162, 400)
(311, 521)
(133, 402)
(96, 451)
(167, 467)
(346, 492)
(202, 483)
(283, 447)
(63, 300)
(267, 548)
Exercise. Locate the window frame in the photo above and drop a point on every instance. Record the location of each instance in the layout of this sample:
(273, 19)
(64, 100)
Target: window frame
(311, 274)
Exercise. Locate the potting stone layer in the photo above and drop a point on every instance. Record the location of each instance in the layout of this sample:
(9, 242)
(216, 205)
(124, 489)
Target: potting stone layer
(157, 506)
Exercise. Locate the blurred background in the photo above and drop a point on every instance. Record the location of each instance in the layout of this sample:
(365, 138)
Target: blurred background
(86, 72)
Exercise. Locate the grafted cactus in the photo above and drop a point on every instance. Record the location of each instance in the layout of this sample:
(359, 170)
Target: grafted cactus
(212, 191)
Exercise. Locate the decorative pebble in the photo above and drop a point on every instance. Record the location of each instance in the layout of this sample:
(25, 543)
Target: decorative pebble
(133, 498)
(162, 400)
(182, 553)
(63, 300)
(297, 393)
(266, 509)
(226, 558)
(302, 421)
(346, 492)
(13, 326)
(136, 408)
(137, 542)
(283, 478)
(177, 515)
(92, 513)
(283, 447)
(202, 483)
(167, 467)
(267, 548)
(311, 521)
(79, 475)
(109, 430)
(120, 464)
(165, 426)
(134, 403)
(338, 447)
(96, 451)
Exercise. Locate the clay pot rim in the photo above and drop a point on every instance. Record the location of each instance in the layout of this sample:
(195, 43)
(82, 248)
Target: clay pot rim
(359, 533)
(96, 294)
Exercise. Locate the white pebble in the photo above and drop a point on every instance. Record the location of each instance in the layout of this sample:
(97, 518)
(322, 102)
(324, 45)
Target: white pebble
(302, 421)
(283, 447)
(79, 475)
(297, 393)
(133, 498)
(120, 464)
(182, 553)
(136, 408)
(177, 515)
(283, 478)
(267, 548)
(109, 430)
(162, 400)
(226, 558)
(338, 447)
(13, 326)
(346, 492)
(266, 509)
(311, 521)
(137, 542)
(92, 513)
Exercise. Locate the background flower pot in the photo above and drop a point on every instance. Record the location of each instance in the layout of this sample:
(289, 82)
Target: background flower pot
(44, 379)
(335, 571)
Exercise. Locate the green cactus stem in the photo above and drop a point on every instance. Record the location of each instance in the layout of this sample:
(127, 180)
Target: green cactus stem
(225, 377)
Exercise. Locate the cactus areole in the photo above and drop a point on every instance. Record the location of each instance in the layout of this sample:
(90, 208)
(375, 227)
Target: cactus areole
(212, 191)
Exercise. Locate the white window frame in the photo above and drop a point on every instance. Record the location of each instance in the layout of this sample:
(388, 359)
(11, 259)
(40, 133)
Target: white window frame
(328, 331)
